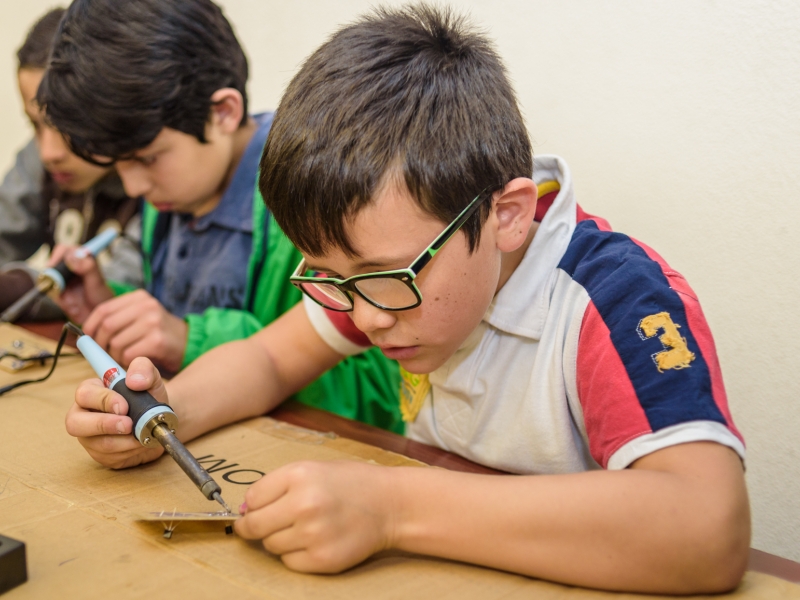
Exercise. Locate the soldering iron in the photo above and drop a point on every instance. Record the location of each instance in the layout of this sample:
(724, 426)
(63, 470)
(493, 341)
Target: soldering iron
(56, 278)
(153, 422)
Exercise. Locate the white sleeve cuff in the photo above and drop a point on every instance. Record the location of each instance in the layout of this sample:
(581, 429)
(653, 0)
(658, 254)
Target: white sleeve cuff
(327, 330)
(691, 431)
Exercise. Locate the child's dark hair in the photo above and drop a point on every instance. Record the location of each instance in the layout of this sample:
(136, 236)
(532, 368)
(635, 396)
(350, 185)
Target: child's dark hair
(35, 50)
(122, 70)
(413, 93)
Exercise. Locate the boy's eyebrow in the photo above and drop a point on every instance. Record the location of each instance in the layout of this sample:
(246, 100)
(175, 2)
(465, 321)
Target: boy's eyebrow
(153, 147)
(364, 264)
(368, 264)
(147, 150)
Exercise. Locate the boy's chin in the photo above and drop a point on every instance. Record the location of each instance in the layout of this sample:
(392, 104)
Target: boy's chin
(422, 364)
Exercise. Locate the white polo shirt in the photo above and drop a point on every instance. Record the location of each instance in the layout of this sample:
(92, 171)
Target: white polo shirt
(593, 354)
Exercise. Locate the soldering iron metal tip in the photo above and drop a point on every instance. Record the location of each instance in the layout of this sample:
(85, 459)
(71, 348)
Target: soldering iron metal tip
(219, 499)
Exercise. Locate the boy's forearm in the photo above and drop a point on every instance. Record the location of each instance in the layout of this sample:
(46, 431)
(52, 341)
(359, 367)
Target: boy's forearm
(634, 530)
(228, 384)
(249, 377)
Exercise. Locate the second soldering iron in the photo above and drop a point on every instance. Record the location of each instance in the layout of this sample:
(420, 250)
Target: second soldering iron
(55, 279)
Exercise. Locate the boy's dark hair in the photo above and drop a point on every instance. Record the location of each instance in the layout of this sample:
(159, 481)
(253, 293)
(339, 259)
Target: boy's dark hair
(122, 70)
(414, 93)
(35, 50)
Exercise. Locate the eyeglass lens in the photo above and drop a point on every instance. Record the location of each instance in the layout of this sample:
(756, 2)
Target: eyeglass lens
(387, 291)
(383, 291)
(328, 295)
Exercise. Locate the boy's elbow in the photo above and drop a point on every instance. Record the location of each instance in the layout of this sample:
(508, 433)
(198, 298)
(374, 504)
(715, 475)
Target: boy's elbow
(725, 568)
(723, 549)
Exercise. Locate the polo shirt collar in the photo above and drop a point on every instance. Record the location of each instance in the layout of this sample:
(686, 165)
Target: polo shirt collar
(520, 308)
(232, 212)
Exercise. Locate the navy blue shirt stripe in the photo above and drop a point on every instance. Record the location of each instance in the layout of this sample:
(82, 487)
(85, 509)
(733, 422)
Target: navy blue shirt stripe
(626, 286)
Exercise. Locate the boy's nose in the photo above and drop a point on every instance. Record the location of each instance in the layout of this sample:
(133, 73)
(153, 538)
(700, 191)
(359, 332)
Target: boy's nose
(134, 178)
(52, 147)
(369, 318)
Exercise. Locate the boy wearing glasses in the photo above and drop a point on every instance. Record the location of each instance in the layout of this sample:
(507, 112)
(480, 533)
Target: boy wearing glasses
(541, 342)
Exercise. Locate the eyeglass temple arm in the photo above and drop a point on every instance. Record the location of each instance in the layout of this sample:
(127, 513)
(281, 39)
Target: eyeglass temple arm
(427, 254)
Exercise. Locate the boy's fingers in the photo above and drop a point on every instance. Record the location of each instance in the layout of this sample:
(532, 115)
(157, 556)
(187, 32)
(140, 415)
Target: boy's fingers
(95, 320)
(139, 338)
(265, 522)
(304, 561)
(128, 335)
(104, 311)
(116, 445)
(79, 266)
(107, 320)
(143, 375)
(284, 541)
(76, 258)
(145, 346)
(268, 489)
(83, 424)
(57, 255)
(116, 316)
(92, 395)
(123, 460)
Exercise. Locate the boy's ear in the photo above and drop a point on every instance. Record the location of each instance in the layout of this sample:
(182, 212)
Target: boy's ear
(514, 208)
(227, 109)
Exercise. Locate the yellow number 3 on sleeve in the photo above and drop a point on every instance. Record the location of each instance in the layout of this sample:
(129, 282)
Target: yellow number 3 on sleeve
(676, 354)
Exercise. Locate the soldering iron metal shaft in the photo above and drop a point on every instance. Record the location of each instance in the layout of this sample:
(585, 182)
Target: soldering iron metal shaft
(13, 312)
(201, 478)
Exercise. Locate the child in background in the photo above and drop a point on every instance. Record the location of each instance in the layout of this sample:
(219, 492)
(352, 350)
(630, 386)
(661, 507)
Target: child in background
(543, 343)
(51, 196)
(177, 128)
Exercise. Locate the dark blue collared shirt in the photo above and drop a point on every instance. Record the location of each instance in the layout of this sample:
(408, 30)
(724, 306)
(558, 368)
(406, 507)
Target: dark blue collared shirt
(202, 262)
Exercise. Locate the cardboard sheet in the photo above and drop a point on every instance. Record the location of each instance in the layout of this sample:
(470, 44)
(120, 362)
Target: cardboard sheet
(79, 520)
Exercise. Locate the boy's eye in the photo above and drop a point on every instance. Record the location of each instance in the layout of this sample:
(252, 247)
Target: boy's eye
(146, 160)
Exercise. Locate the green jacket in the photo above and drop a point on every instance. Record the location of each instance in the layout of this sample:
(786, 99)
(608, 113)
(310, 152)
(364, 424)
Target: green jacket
(363, 387)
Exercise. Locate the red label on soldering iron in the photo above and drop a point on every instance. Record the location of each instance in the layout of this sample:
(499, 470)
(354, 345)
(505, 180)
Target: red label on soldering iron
(110, 376)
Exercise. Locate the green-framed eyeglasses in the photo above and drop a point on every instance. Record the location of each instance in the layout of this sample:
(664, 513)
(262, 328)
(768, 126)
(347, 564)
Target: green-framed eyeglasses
(388, 290)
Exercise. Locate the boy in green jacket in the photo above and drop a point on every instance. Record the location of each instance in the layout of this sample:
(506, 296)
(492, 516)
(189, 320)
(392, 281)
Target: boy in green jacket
(177, 128)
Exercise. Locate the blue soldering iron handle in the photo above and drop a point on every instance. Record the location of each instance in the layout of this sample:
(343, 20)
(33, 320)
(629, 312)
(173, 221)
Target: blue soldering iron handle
(100, 242)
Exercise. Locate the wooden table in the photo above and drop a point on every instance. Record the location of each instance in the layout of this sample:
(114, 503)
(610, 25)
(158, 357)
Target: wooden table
(310, 418)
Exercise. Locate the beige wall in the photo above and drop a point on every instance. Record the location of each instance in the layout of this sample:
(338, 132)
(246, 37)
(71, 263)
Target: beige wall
(681, 122)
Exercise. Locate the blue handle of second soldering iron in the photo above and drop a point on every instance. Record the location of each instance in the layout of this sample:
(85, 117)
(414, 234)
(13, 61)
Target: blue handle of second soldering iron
(100, 242)
(61, 273)
(113, 377)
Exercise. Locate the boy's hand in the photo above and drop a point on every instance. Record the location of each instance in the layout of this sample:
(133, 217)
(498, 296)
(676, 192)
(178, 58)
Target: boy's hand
(321, 517)
(136, 324)
(84, 292)
(97, 418)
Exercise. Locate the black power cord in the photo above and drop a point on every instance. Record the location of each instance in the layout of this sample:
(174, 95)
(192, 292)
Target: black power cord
(37, 358)
(68, 327)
